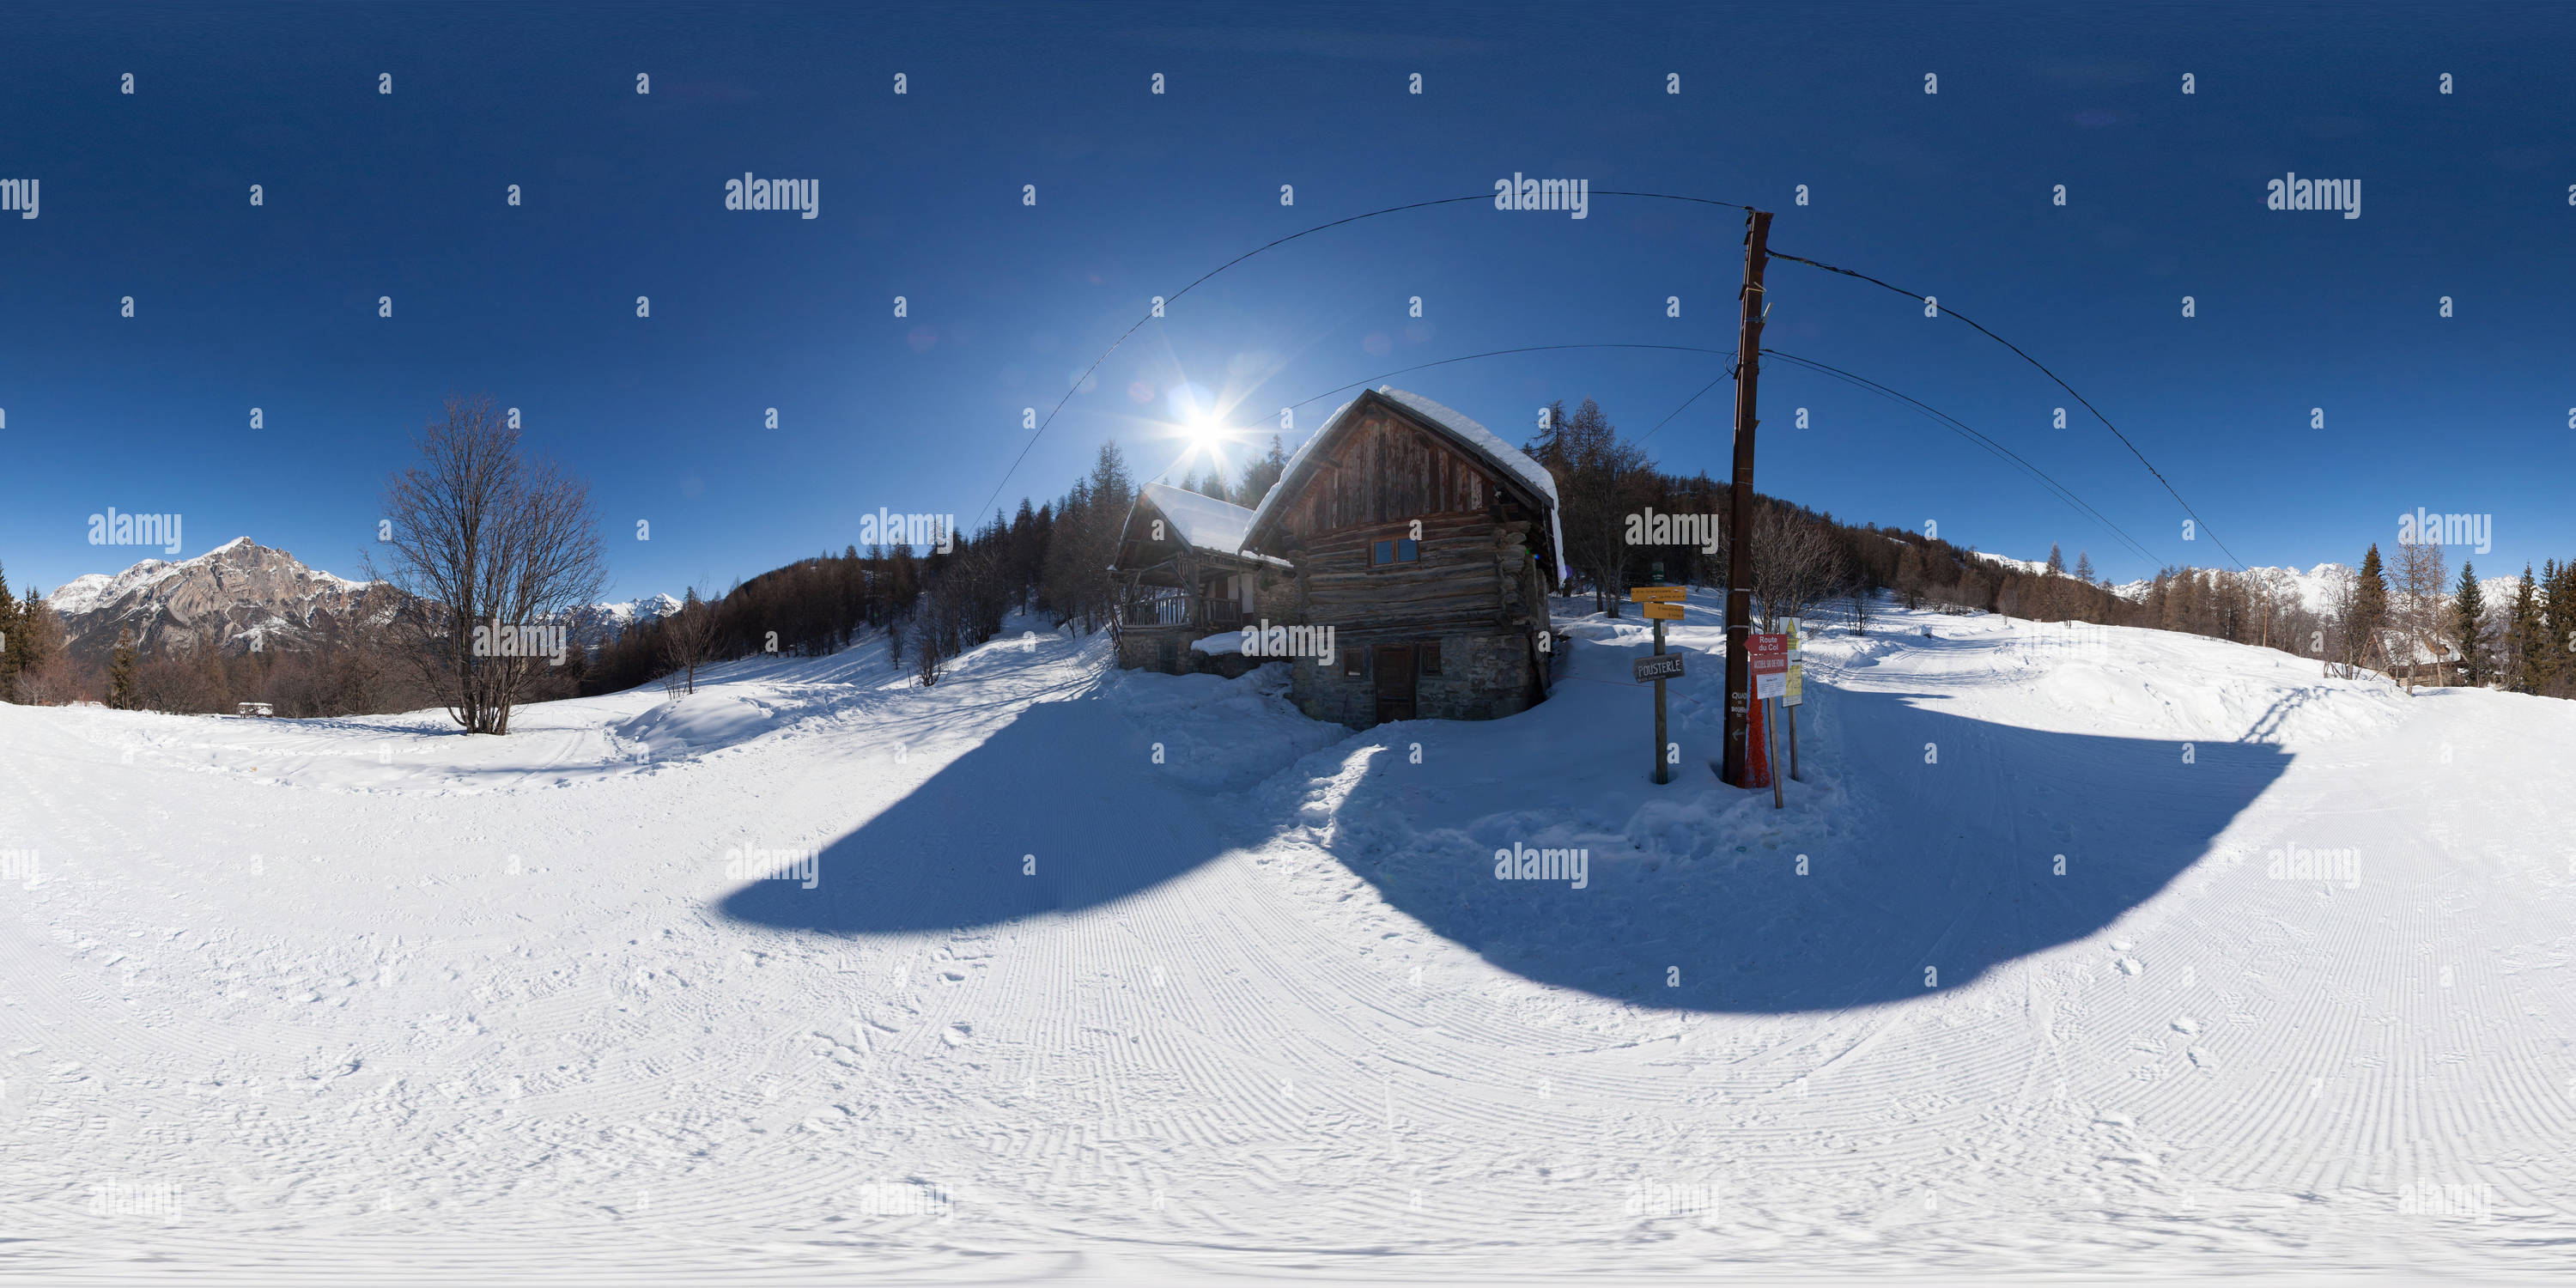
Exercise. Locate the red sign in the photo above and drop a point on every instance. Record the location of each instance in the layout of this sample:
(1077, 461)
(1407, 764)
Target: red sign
(1769, 653)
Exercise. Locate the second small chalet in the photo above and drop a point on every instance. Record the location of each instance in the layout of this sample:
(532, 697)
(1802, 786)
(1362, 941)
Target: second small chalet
(1183, 577)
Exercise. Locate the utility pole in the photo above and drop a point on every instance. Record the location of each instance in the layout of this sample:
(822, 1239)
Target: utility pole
(1739, 511)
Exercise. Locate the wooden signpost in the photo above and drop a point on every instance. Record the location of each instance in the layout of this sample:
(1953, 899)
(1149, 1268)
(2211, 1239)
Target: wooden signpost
(1796, 631)
(1662, 604)
(1665, 666)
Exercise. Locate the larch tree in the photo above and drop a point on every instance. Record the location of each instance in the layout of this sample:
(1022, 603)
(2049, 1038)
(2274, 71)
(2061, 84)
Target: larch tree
(689, 639)
(2418, 602)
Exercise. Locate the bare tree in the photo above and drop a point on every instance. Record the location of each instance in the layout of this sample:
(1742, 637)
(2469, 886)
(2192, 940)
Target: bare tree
(1602, 484)
(2271, 597)
(1797, 564)
(2343, 598)
(2417, 599)
(689, 639)
(485, 545)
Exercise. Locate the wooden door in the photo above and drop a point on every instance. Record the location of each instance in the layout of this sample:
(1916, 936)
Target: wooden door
(1394, 682)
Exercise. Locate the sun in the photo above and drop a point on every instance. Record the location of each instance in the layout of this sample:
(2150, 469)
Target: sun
(1206, 431)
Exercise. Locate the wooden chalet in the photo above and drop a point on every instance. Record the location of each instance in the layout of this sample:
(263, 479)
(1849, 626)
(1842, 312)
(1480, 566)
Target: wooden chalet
(1429, 545)
(1183, 576)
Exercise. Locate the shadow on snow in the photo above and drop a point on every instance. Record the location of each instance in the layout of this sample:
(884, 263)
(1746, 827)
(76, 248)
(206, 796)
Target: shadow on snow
(1948, 865)
(1066, 783)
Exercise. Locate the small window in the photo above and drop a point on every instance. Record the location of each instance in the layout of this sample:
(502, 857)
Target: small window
(1430, 656)
(1399, 550)
(1350, 661)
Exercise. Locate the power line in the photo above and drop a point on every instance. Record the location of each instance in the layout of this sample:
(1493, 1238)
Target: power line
(1955, 425)
(1495, 353)
(1149, 316)
(1918, 296)
(1727, 374)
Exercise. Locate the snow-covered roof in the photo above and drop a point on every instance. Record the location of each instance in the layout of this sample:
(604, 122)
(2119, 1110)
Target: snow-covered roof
(1198, 519)
(1203, 521)
(1479, 441)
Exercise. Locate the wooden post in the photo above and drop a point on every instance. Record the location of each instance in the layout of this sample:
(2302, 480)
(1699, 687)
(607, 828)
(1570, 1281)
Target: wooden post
(1793, 742)
(1771, 750)
(1661, 777)
(1739, 515)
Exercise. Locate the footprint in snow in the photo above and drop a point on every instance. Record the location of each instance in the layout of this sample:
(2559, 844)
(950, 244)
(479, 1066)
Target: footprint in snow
(958, 1034)
(2185, 1024)
(2129, 966)
(2202, 1058)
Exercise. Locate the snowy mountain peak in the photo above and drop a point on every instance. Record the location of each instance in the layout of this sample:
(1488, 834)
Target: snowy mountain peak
(2315, 588)
(602, 622)
(239, 594)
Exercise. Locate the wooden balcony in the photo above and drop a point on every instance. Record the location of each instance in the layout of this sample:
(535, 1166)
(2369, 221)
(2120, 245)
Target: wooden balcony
(1176, 610)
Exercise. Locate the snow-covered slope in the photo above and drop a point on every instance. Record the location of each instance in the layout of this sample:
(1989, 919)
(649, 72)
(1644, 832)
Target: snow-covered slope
(2082, 949)
(2032, 566)
(2315, 587)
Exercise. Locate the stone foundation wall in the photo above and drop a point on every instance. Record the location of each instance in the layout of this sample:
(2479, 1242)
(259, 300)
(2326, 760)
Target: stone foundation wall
(1483, 676)
(1140, 649)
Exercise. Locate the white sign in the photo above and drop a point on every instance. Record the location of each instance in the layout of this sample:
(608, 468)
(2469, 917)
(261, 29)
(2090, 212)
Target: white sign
(1795, 680)
(1775, 685)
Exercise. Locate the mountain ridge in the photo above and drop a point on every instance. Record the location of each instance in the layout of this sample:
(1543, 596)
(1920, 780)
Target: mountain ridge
(245, 597)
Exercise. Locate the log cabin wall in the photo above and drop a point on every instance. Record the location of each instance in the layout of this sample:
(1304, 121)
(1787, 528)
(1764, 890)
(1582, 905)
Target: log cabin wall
(1475, 590)
(1385, 469)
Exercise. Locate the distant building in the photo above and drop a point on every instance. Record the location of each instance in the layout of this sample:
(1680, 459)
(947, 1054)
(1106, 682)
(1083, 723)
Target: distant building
(253, 709)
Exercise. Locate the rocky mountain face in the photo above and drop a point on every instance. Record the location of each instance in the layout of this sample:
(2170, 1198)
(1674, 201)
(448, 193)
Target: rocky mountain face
(238, 596)
(242, 595)
(595, 624)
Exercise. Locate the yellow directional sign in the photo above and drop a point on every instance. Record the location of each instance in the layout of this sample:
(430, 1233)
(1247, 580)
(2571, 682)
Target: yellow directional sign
(1656, 594)
(1665, 612)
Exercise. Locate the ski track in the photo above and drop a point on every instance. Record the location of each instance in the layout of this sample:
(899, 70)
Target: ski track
(476, 1007)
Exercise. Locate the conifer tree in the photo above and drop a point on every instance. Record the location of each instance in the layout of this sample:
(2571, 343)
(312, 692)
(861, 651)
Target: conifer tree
(2558, 625)
(1259, 475)
(120, 672)
(36, 642)
(2084, 568)
(2468, 613)
(2524, 651)
(2369, 608)
(10, 630)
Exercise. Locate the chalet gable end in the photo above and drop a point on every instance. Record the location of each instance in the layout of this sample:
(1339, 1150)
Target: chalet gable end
(1378, 464)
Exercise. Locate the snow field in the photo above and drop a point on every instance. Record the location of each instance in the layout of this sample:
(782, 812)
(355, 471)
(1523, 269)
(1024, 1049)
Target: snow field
(364, 994)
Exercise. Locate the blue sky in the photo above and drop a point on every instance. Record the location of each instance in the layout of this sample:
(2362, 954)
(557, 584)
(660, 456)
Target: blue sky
(370, 195)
